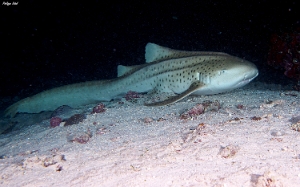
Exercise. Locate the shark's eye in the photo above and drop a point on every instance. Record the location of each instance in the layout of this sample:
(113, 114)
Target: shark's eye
(221, 72)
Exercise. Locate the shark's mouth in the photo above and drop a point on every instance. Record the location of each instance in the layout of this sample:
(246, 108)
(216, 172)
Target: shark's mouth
(246, 80)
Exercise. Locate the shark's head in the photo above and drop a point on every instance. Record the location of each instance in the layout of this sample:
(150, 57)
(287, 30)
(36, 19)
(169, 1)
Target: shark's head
(229, 74)
(243, 73)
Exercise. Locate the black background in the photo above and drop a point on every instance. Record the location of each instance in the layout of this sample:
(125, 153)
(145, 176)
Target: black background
(45, 44)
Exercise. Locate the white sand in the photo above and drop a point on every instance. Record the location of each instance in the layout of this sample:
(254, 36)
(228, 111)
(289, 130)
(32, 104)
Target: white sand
(218, 148)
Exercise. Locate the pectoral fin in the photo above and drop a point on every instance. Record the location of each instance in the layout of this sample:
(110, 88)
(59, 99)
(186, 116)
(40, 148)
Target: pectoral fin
(194, 86)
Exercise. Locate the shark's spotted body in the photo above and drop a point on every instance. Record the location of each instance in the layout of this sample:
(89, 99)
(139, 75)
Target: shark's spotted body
(166, 70)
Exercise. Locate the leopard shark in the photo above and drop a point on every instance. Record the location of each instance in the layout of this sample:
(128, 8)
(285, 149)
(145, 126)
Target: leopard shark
(166, 70)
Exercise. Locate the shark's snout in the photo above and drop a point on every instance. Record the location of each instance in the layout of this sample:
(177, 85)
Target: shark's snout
(248, 78)
(249, 73)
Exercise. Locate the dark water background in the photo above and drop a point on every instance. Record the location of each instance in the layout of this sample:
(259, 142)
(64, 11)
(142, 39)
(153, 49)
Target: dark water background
(45, 44)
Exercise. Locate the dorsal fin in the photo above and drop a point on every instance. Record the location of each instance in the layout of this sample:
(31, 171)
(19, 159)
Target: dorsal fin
(155, 52)
(122, 70)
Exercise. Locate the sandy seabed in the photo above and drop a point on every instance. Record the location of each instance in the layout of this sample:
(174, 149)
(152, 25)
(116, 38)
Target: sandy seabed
(252, 140)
